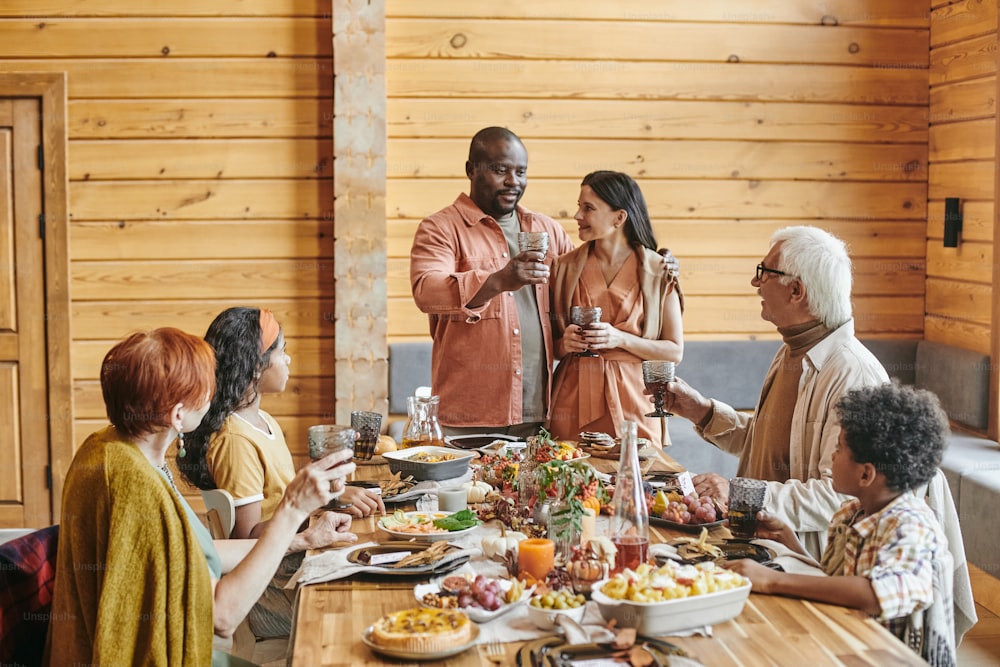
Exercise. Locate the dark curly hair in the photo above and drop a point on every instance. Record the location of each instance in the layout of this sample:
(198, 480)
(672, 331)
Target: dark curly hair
(900, 430)
(235, 335)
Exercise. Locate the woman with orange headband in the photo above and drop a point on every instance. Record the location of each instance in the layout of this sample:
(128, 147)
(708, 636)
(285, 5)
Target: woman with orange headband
(241, 448)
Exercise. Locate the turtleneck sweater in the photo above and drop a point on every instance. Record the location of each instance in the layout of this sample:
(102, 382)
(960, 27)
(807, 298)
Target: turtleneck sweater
(769, 451)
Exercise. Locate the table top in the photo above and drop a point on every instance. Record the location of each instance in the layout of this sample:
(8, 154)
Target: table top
(771, 630)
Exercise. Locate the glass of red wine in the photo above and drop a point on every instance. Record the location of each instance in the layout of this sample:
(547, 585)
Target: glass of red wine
(656, 375)
(583, 317)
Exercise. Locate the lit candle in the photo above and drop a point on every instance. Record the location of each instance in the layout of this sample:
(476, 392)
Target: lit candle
(535, 557)
(587, 525)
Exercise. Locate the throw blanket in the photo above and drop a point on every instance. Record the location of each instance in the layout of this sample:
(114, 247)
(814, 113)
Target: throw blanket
(27, 575)
(938, 498)
(132, 584)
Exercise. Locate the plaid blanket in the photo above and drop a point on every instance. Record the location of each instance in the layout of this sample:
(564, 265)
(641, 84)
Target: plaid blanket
(27, 575)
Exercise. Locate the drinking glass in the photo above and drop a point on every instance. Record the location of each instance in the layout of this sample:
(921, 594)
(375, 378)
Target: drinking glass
(746, 499)
(325, 439)
(656, 375)
(583, 318)
(368, 425)
(533, 241)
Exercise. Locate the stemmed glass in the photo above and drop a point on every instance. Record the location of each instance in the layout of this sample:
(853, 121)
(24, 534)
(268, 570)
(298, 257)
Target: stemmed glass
(583, 318)
(656, 375)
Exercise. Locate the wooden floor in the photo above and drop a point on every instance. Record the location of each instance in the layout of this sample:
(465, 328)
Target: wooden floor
(981, 647)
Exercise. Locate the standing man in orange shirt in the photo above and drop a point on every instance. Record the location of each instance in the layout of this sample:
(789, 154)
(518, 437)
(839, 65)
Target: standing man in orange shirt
(487, 302)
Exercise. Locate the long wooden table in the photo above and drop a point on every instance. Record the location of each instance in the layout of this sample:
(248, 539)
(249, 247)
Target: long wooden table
(771, 630)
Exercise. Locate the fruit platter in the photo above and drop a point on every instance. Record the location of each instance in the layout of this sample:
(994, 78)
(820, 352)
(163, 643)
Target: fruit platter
(688, 513)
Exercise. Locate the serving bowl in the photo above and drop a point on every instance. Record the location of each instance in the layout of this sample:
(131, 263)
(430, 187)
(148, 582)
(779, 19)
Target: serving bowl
(455, 463)
(652, 619)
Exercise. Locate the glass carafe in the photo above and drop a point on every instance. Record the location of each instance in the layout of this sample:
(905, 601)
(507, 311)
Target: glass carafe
(422, 425)
(629, 530)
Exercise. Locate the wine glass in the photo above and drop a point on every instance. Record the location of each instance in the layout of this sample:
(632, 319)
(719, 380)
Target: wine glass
(328, 438)
(583, 317)
(656, 375)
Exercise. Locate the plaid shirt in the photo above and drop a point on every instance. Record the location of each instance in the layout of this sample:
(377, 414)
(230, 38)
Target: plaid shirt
(27, 575)
(895, 549)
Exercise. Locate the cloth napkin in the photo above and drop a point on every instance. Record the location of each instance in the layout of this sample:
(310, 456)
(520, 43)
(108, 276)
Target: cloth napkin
(421, 490)
(333, 564)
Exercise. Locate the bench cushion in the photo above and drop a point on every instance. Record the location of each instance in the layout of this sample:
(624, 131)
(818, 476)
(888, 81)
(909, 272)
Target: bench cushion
(409, 368)
(980, 497)
(898, 357)
(960, 378)
(731, 371)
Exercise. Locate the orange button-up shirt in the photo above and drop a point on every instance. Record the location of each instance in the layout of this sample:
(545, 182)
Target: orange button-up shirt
(476, 359)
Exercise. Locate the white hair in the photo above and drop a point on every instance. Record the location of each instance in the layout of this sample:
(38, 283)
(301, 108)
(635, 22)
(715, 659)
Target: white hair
(820, 260)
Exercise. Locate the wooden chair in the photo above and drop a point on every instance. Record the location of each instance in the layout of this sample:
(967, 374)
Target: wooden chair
(220, 511)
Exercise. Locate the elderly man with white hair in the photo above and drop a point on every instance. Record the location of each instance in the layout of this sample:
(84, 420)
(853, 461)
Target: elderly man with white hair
(804, 283)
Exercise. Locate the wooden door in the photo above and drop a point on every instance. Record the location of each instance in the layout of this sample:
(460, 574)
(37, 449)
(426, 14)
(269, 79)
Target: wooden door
(24, 414)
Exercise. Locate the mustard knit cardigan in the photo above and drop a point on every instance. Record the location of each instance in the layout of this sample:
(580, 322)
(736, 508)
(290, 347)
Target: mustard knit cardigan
(132, 584)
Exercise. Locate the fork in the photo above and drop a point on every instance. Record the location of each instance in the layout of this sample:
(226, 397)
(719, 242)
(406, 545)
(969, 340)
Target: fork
(496, 653)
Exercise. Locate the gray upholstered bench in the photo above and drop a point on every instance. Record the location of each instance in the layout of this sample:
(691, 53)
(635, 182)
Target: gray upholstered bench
(409, 368)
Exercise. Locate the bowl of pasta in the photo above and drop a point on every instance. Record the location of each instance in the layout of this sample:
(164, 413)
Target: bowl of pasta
(660, 600)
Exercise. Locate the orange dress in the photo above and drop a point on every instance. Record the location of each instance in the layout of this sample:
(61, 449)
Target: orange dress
(598, 393)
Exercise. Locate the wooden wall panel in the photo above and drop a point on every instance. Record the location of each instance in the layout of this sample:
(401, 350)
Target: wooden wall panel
(661, 119)
(736, 121)
(170, 37)
(962, 150)
(530, 38)
(200, 162)
(128, 8)
(901, 13)
(287, 118)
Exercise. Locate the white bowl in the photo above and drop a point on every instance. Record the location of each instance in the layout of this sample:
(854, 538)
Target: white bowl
(545, 619)
(653, 619)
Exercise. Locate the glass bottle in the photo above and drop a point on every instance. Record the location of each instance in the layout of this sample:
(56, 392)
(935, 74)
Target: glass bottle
(629, 527)
(527, 475)
(422, 425)
(435, 435)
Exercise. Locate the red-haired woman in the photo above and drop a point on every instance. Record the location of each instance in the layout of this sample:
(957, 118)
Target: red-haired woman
(138, 578)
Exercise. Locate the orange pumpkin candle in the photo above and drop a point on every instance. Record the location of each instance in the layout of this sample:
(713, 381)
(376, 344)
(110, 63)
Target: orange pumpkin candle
(535, 557)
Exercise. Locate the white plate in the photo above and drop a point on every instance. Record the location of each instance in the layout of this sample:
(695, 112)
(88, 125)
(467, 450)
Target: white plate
(475, 613)
(433, 537)
(366, 638)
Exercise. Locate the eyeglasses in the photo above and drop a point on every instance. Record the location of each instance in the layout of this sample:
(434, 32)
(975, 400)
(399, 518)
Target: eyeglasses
(761, 270)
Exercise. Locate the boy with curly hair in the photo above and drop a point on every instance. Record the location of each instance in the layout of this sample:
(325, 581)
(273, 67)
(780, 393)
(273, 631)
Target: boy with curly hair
(886, 552)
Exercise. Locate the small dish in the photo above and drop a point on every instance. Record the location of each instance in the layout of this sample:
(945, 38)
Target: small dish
(475, 613)
(545, 619)
(419, 656)
(423, 518)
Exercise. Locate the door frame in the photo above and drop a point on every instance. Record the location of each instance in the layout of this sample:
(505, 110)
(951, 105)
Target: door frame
(50, 88)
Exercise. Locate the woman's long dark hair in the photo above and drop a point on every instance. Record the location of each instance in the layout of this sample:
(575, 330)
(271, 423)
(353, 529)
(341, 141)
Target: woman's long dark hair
(235, 336)
(622, 193)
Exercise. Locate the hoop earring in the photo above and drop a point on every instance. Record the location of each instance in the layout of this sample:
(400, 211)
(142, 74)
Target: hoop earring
(181, 452)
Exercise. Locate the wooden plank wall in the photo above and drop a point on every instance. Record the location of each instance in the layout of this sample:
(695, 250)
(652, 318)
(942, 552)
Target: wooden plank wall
(737, 118)
(963, 89)
(200, 165)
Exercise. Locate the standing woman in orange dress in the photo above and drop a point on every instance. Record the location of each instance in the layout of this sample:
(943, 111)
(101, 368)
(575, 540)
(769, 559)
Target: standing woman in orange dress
(618, 269)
